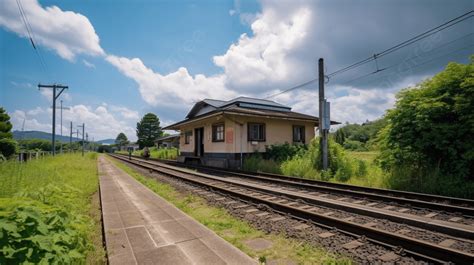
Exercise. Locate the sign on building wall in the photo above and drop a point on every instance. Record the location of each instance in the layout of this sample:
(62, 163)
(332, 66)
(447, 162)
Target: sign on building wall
(229, 135)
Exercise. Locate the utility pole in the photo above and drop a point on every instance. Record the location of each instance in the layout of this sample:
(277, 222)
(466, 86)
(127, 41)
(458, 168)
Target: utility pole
(70, 138)
(55, 96)
(83, 128)
(323, 131)
(61, 108)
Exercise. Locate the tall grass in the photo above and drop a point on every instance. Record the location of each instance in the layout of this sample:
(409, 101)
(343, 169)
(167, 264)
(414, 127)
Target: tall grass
(159, 153)
(58, 190)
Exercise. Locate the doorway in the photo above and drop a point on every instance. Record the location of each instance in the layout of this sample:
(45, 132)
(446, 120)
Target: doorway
(199, 142)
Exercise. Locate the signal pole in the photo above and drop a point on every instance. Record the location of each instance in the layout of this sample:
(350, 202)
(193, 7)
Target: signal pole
(55, 96)
(323, 109)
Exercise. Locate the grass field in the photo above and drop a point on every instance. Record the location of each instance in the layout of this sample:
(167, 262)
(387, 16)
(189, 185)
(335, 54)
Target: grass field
(159, 153)
(236, 231)
(49, 211)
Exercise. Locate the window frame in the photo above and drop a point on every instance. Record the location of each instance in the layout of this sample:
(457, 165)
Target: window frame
(264, 132)
(303, 136)
(214, 132)
(186, 135)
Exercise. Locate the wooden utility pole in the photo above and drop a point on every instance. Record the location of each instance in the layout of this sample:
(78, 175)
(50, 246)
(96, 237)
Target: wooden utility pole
(55, 96)
(323, 132)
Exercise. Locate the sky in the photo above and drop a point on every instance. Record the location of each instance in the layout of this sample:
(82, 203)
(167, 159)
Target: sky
(123, 59)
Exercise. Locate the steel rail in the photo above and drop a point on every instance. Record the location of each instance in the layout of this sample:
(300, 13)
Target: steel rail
(448, 228)
(413, 246)
(428, 201)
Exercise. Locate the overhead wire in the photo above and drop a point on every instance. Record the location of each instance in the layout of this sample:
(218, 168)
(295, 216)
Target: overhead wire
(31, 36)
(408, 59)
(385, 52)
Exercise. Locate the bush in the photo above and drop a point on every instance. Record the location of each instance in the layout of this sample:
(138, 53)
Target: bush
(256, 163)
(361, 168)
(33, 232)
(354, 145)
(8, 147)
(282, 152)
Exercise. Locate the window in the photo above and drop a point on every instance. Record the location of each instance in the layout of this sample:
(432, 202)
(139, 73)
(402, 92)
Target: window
(298, 134)
(218, 132)
(187, 137)
(256, 132)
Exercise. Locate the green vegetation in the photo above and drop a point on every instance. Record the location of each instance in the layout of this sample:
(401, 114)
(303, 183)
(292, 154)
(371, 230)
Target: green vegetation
(148, 130)
(49, 211)
(428, 144)
(8, 146)
(235, 231)
(121, 140)
(159, 153)
(424, 144)
(358, 137)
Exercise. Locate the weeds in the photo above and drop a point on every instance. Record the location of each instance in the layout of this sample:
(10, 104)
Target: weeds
(45, 211)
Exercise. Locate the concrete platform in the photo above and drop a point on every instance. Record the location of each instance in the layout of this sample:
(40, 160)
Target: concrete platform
(142, 228)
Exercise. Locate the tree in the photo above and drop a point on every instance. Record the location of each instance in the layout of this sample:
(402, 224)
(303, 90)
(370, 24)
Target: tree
(8, 146)
(121, 140)
(5, 125)
(148, 130)
(431, 127)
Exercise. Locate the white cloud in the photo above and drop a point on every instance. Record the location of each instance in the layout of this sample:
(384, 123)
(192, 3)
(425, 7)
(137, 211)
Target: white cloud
(88, 64)
(101, 122)
(173, 89)
(67, 33)
(264, 59)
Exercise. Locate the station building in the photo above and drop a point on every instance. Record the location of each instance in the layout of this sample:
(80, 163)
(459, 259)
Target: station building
(222, 133)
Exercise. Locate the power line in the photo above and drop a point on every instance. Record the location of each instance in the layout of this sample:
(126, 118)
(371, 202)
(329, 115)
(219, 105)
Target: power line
(409, 59)
(392, 49)
(418, 65)
(31, 36)
(410, 41)
(292, 88)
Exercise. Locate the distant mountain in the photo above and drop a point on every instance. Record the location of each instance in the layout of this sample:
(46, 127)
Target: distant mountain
(106, 141)
(19, 135)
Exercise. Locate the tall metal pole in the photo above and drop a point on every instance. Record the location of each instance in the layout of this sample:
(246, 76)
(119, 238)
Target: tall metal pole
(322, 103)
(61, 143)
(54, 122)
(70, 139)
(55, 96)
(83, 127)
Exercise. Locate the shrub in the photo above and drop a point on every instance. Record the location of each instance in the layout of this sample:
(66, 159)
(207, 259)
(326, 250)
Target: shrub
(256, 163)
(33, 232)
(8, 147)
(361, 168)
(282, 152)
(354, 145)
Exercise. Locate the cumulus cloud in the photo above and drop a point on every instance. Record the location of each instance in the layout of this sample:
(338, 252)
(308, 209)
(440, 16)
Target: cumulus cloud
(173, 89)
(101, 121)
(67, 33)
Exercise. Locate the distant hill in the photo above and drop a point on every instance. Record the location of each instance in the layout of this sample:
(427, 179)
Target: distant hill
(19, 135)
(106, 141)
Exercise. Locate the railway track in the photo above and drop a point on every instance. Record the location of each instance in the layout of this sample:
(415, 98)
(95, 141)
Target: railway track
(433, 240)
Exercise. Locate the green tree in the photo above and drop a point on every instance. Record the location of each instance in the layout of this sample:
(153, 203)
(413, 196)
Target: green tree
(148, 130)
(8, 146)
(121, 140)
(431, 129)
(5, 125)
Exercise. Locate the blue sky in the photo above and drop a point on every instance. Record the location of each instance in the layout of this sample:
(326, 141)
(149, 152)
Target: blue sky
(122, 59)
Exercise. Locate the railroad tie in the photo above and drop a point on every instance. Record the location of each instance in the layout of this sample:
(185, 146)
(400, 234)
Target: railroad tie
(447, 243)
(353, 244)
(389, 257)
(455, 219)
(326, 235)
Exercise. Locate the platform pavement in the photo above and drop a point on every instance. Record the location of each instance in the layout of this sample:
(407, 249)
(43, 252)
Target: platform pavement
(143, 228)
